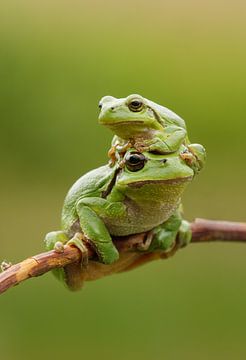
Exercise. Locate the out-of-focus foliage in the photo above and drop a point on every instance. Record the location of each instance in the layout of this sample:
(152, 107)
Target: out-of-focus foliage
(57, 58)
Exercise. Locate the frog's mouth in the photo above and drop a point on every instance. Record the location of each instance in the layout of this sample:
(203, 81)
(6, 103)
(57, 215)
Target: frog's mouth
(115, 123)
(138, 184)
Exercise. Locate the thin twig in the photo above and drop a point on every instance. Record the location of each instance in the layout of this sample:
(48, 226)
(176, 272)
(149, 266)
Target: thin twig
(202, 231)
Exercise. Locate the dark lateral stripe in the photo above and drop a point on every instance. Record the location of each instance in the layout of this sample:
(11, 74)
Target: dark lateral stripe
(111, 184)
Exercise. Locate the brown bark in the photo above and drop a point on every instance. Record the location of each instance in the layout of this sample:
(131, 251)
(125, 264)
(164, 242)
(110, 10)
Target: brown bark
(202, 231)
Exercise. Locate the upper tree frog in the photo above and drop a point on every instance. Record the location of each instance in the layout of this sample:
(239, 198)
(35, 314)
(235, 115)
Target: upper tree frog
(147, 126)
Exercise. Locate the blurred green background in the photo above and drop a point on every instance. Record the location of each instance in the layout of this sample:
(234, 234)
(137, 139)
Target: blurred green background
(57, 59)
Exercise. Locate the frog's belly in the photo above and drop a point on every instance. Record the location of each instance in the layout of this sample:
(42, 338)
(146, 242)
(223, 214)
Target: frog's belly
(147, 207)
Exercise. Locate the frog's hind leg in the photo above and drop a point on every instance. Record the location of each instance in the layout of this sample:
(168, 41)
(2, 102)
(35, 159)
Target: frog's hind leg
(164, 235)
(174, 231)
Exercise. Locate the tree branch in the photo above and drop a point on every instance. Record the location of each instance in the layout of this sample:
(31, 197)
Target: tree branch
(202, 231)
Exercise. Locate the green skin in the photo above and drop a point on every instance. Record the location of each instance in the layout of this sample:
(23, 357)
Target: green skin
(126, 199)
(149, 127)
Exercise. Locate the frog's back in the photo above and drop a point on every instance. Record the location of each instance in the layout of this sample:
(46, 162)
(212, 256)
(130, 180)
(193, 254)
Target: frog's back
(167, 114)
(92, 183)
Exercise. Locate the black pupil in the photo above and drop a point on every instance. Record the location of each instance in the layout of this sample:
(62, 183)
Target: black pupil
(135, 162)
(135, 104)
(135, 159)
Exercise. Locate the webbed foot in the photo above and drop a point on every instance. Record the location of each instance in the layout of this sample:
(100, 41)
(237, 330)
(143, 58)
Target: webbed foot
(59, 247)
(55, 240)
(194, 156)
(77, 240)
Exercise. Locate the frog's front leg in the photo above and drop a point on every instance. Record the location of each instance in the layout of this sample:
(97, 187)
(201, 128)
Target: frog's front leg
(168, 142)
(91, 211)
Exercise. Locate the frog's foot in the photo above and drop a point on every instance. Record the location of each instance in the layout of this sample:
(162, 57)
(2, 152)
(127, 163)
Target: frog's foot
(199, 153)
(194, 156)
(158, 239)
(55, 240)
(5, 265)
(170, 252)
(163, 240)
(77, 240)
(141, 145)
(59, 247)
(184, 234)
(187, 156)
(147, 241)
(112, 156)
(165, 234)
(122, 149)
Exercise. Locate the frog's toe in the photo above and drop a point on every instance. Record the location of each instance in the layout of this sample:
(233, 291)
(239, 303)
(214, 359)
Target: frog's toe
(5, 265)
(186, 156)
(147, 242)
(77, 240)
(59, 247)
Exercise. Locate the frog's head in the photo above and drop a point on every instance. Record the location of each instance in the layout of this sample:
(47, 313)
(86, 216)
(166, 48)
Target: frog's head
(129, 116)
(146, 168)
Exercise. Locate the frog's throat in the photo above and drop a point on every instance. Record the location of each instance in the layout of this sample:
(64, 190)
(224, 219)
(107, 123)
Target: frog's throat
(175, 181)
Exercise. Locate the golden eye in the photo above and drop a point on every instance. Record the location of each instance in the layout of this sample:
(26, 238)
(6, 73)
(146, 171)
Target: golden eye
(135, 105)
(135, 161)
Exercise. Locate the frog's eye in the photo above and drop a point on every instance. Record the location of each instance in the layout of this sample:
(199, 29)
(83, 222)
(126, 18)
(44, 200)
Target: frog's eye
(135, 161)
(135, 105)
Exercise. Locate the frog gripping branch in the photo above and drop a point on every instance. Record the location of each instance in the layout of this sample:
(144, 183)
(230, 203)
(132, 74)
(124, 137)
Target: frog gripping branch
(127, 212)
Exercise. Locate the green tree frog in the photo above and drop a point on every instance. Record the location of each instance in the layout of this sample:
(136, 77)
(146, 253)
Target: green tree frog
(140, 123)
(140, 193)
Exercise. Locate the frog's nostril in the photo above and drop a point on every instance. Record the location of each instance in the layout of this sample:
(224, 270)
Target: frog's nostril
(112, 108)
